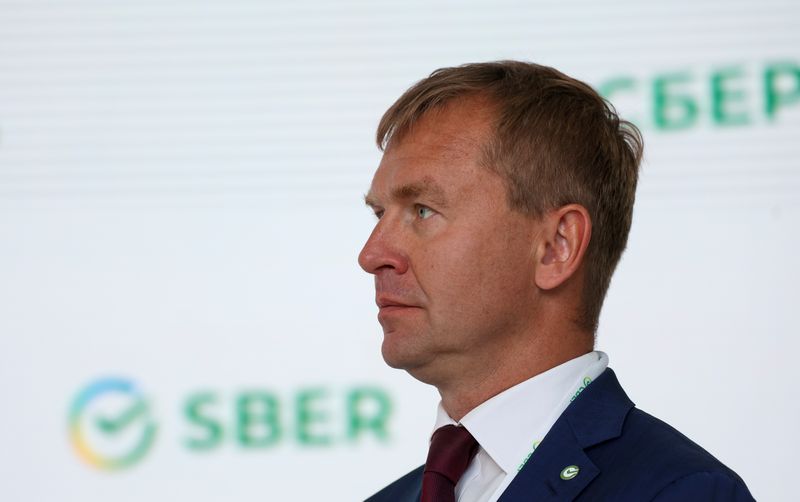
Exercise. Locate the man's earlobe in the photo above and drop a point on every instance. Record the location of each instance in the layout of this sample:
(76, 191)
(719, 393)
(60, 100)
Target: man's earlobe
(566, 236)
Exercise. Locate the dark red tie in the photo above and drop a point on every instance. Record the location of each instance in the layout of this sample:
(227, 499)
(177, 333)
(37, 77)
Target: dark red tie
(452, 449)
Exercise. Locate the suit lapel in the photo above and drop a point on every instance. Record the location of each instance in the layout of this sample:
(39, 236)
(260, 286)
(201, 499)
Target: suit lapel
(406, 489)
(559, 469)
(541, 477)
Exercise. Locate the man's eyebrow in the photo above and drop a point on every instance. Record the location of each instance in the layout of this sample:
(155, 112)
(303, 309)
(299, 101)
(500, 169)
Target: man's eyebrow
(370, 201)
(426, 188)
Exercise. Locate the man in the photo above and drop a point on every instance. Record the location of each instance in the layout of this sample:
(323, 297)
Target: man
(504, 200)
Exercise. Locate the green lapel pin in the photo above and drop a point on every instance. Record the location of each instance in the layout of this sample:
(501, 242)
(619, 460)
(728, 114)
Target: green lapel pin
(570, 472)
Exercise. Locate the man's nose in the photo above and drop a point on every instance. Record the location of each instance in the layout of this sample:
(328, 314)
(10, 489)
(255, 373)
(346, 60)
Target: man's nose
(383, 251)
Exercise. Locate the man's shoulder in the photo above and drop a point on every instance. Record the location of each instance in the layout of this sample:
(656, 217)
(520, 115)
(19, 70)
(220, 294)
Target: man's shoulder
(407, 488)
(651, 457)
(649, 438)
(620, 452)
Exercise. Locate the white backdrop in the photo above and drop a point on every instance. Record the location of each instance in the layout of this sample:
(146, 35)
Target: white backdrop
(180, 208)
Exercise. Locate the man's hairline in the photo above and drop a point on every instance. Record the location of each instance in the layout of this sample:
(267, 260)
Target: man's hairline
(483, 144)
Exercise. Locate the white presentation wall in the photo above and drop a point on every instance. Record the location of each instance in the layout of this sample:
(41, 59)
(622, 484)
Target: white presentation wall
(181, 312)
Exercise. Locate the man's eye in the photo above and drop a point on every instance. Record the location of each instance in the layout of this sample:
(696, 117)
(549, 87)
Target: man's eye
(424, 212)
(379, 213)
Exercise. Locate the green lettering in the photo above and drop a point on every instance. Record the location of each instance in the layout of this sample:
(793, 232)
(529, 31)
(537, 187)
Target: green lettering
(258, 419)
(308, 416)
(368, 409)
(612, 86)
(194, 411)
(722, 96)
(672, 111)
(781, 87)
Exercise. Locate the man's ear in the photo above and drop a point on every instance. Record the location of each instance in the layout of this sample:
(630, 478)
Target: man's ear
(561, 251)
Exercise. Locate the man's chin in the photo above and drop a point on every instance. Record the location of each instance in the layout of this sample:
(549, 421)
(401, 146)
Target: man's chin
(416, 361)
(398, 360)
(401, 353)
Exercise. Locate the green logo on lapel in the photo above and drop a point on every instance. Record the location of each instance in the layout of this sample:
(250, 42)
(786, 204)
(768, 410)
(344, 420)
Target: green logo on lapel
(586, 382)
(525, 460)
(570, 472)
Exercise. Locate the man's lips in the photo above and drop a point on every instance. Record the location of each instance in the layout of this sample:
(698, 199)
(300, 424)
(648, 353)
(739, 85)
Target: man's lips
(391, 301)
(387, 305)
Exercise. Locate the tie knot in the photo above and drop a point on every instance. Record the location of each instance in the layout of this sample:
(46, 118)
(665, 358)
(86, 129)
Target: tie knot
(452, 449)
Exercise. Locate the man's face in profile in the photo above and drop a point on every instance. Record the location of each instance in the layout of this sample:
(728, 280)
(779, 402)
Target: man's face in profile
(453, 264)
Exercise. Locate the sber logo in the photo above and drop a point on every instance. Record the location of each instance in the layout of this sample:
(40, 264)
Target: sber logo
(112, 424)
(726, 95)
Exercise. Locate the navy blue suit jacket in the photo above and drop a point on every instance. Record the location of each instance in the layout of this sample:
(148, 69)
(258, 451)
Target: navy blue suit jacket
(621, 454)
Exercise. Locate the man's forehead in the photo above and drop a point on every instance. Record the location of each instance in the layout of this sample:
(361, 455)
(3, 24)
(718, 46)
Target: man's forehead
(428, 156)
(407, 189)
(419, 168)
(432, 143)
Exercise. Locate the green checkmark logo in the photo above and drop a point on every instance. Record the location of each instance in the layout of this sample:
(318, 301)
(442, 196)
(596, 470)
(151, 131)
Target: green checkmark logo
(110, 424)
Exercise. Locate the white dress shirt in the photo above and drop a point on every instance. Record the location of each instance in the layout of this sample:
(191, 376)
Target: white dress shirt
(510, 425)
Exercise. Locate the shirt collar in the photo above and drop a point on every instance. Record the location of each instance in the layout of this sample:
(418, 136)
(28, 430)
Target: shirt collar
(507, 425)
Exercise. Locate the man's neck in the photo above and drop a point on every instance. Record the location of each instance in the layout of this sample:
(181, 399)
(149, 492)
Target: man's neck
(486, 379)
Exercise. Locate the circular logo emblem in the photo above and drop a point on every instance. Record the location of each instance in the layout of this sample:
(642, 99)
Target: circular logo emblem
(110, 424)
(570, 472)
